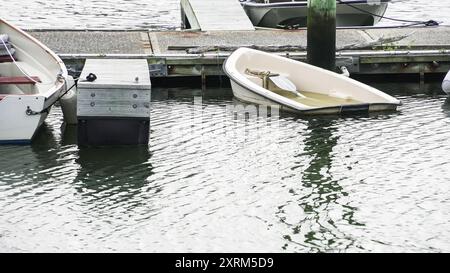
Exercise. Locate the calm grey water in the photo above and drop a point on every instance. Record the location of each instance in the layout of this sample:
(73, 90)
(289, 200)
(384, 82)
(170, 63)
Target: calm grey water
(157, 14)
(209, 181)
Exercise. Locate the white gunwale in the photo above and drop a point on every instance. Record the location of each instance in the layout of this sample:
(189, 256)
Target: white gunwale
(306, 77)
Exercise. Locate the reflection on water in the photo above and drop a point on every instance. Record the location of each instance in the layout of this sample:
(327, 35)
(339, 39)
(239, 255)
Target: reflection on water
(210, 181)
(446, 106)
(325, 191)
(113, 169)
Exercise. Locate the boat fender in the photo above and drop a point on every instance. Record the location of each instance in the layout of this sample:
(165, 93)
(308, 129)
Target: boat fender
(446, 84)
(69, 102)
(344, 71)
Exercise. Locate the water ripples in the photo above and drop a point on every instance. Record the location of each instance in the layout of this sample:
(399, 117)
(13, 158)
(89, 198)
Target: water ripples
(94, 14)
(210, 181)
(417, 10)
(134, 14)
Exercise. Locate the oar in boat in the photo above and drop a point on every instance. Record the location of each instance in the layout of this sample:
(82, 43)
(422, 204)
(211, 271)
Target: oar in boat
(279, 81)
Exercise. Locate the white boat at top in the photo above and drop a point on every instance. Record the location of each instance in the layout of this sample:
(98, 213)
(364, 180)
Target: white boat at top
(31, 80)
(276, 13)
(268, 79)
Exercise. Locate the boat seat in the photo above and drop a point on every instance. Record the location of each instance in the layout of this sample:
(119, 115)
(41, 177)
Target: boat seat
(5, 59)
(19, 80)
(255, 80)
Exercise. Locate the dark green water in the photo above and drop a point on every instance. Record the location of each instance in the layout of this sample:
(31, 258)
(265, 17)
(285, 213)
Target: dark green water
(211, 182)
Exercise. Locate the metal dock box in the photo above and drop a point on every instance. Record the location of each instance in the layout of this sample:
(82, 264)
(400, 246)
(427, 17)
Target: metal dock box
(114, 109)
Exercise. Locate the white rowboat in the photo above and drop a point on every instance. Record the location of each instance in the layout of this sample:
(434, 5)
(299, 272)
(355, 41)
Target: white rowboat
(321, 91)
(32, 78)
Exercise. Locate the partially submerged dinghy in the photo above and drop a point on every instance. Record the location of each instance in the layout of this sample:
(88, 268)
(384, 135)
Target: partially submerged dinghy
(269, 79)
(31, 80)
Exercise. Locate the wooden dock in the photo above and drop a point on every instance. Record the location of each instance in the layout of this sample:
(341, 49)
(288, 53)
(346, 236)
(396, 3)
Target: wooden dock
(114, 108)
(214, 15)
(424, 50)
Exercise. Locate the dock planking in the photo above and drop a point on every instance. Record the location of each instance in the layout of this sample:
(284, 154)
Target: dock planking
(424, 51)
(213, 15)
(114, 108)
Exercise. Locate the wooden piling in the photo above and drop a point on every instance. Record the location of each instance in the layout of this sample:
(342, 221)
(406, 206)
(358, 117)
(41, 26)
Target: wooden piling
(322, 33)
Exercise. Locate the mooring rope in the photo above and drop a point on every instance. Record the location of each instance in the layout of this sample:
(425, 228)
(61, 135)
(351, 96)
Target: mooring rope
(428, 23)
(30, 112)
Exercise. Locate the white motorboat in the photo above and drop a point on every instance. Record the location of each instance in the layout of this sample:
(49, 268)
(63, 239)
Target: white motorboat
(32, 78)
(278, 13)
(269, 79)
